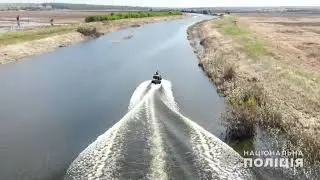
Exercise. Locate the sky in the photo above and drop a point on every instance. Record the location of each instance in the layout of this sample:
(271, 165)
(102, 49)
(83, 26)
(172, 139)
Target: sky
(182, 3)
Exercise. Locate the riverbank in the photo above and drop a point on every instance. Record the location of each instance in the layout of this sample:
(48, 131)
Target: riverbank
(268, 69)
(15, 46)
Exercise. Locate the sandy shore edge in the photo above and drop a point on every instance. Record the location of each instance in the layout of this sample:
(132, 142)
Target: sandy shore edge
(17, 52)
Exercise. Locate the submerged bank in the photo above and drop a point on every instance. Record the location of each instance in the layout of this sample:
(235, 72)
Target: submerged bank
(18, 45)
(263, 88)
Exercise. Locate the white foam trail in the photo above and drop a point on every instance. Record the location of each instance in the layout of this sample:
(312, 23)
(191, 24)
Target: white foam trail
(168, 97)
(138, 94)
(157, 169)
(211, 154)
(101, 156)
(212, 158)
(209, 150)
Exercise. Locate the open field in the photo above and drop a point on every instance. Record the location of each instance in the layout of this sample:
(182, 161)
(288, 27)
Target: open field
(31, 19)
(19, 44)
(295, 38)
(269, 70)
(128, 15)
(33, 33)
(60, 16)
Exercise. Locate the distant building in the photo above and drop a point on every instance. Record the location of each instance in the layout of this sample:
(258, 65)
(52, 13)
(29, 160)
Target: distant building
(24, 6)
(47, 6)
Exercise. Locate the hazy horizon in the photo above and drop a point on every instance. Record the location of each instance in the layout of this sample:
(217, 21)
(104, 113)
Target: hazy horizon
(181, 3)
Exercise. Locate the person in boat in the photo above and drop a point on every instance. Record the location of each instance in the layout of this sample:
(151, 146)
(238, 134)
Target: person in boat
(18, 21)
(157, 76)
(51, 22)
(156, 79)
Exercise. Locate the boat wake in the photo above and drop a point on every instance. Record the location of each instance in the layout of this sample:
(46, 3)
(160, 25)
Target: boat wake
(155, 141)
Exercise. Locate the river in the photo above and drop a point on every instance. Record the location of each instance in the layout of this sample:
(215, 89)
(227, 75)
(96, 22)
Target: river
(53, 106)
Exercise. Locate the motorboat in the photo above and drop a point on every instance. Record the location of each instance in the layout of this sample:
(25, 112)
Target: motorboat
(156, 78)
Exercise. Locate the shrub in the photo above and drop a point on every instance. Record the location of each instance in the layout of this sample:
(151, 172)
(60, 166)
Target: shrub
(89, 31)
(240, 124)
(255, 48)
(229, 73)
(126, 15)
(255, 94)
(235, 30)
(270, 117)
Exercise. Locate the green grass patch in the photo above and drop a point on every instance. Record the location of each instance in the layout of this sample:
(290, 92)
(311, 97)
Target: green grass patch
(229, 26)
(234, 30)
(252, 46)
(127, 15)
(255, 47)
(33, 34)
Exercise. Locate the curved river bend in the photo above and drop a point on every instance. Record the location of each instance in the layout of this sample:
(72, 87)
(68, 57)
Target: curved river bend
(54, 105)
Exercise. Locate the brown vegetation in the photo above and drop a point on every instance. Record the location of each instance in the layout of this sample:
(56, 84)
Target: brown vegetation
(90, 31)
(272, 83)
